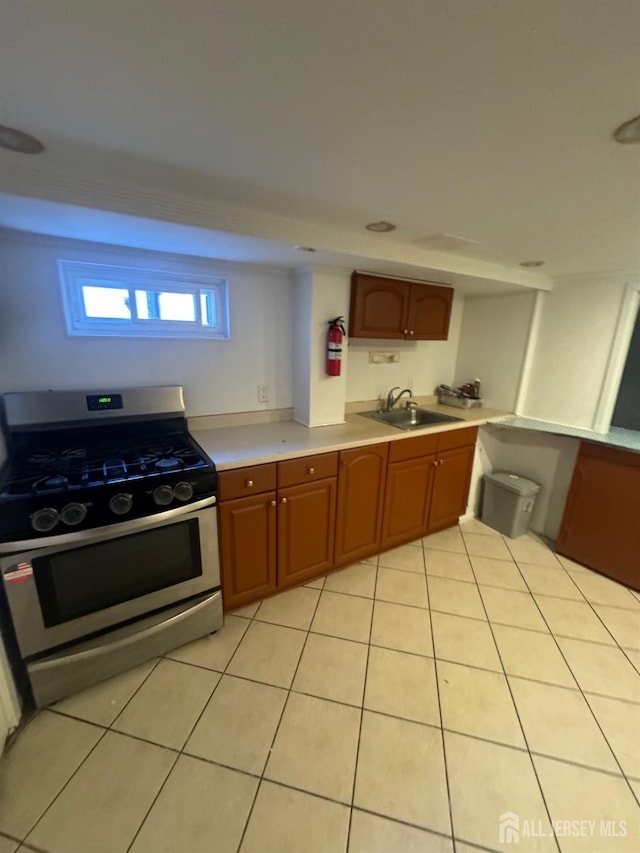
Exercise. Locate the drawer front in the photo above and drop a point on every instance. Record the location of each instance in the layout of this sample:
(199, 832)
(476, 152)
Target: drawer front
(457, 438)
(244, 482)
(410, 448)
(294, 472)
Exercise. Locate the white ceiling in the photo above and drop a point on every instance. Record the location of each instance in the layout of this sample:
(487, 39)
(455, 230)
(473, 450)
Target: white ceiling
(491, 120)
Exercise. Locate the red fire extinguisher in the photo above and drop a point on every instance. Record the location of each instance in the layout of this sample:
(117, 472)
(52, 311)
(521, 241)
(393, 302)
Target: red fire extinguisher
(334, 346)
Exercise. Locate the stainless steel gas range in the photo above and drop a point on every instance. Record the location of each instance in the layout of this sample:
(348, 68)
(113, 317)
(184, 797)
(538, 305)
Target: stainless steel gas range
(108, 533)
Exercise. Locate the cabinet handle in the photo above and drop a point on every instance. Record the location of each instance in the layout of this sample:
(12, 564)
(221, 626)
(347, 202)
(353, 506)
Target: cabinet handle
(435, 463)
(273, 503)
(411, 332)
(249, 483)
(283, 500)
(406, 331)
(312, 470)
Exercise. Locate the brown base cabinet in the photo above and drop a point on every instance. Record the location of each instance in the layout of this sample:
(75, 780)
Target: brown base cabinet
(409, 485)
(306, 528)
(248, 549)
(427, 484)
(284, 524)
(361, 482)
(277, 538)
(600, 527)
(450, 487)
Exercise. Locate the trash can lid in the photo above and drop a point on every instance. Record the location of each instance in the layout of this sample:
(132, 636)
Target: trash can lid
(514, 483)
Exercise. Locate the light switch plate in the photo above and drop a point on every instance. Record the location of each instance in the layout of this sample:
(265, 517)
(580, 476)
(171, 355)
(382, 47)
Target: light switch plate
(263, 394)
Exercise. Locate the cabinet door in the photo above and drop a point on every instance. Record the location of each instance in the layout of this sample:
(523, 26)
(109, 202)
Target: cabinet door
(306, 531)
(429, 312)
(407, 500)
(600, 525)
(361, 483)
(450, 487)
(379, 307)
(247, 549)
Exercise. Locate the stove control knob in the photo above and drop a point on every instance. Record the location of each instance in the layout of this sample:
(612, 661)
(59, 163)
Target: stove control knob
(163, 495)
(44, 519)
(183, 491)
(73, 514)
(121, 503)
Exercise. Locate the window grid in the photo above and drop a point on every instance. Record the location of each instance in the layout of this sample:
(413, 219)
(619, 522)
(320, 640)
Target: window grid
(142, 292)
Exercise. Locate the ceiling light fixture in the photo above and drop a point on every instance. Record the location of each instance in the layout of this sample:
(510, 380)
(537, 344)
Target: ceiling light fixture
(629, 132)
(381, 227)
(531, 263)
(304, 248)
(18, 140)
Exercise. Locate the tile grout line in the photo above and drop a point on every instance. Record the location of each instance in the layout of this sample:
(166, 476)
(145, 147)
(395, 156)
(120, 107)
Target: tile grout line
(586, 701)
(100, 739)
(84, 760)
(584, 695)
(177, 758)
(515, 707)
(253, 775)
(307, 632)
(442, 737)
(284, 707)
(364, 693)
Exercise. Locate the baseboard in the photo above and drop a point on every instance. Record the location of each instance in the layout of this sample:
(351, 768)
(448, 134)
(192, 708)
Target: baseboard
(468, 516)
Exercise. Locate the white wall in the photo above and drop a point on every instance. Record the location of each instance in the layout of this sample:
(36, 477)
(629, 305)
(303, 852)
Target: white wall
(218, 376)
(423, 365)
(330, 300)
(9, 704)
(547, 459)
(493, 340)
(575, 336)
(301, 375)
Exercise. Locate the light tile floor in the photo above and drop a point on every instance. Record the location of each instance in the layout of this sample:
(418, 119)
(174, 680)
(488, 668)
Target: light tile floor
(403, 704)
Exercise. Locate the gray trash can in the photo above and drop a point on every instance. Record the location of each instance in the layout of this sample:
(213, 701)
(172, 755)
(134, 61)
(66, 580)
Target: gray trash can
(508, 501)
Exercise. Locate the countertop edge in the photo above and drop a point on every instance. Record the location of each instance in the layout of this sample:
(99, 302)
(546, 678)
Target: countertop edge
(619, 438)
(230, 448)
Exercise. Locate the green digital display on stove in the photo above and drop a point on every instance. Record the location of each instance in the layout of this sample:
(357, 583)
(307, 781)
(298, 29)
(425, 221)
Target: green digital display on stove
(103, 402)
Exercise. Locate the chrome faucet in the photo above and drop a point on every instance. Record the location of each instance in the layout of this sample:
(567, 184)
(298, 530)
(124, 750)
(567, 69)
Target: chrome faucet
(391, 400)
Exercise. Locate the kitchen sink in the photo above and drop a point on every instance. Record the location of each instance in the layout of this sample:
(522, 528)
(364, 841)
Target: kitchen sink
(410, 418)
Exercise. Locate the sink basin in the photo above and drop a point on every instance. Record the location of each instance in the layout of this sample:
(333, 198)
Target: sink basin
(411, 418)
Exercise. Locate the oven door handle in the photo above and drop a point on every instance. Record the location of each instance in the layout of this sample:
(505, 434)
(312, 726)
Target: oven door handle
(109, 647)
(108, 531)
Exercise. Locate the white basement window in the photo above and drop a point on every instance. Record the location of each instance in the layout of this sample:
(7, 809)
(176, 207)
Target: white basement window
(131, 302)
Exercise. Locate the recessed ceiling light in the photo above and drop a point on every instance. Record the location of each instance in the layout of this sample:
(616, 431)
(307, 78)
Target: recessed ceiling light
(531, 263)
(629, 132)
(381, 227)
(18, 140)
(304, 248)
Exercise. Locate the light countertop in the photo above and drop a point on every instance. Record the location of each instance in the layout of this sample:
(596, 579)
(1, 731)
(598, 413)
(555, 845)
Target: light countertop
(237, 446)
(625, 439)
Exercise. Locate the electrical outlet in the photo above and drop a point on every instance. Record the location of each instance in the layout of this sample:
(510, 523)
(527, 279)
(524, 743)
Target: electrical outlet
(263, 394)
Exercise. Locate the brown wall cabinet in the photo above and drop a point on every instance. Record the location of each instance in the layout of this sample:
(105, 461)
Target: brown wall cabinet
(600, 527)
(361, 486)
(393, 309)
(278, 538)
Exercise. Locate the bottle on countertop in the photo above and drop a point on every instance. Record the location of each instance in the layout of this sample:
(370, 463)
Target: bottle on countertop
(476, 388)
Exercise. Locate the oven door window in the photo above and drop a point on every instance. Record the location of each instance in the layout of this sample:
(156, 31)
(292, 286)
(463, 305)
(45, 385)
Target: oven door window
(85, 580)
